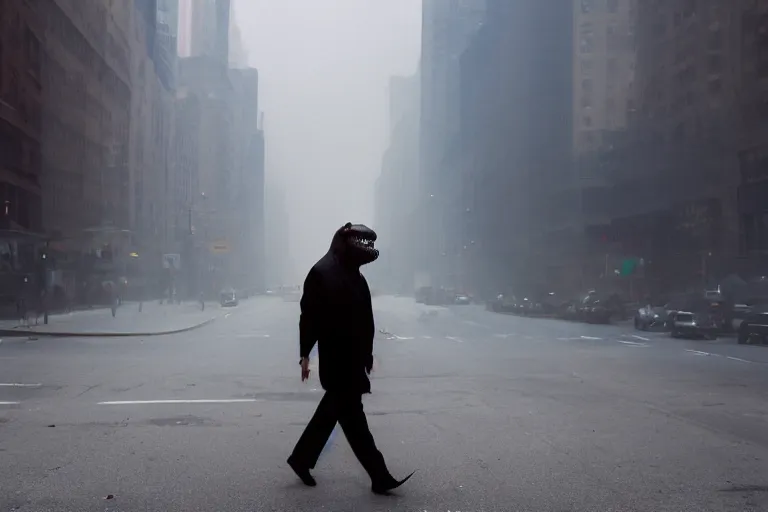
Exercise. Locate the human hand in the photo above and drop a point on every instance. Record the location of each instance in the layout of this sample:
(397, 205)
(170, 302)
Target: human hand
(369, 365)
(304, 368)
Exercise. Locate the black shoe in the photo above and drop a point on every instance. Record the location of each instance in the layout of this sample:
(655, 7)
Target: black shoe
(302, 473)
(388, 484)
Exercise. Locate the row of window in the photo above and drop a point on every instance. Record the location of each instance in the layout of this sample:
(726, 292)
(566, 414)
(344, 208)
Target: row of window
(76, 44)
(592, 6)
(73, 147)
(20, 206)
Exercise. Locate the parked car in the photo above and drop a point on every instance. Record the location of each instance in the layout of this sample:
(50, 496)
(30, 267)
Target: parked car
(462, 299)
(754, 327)
(503, 303)
(228, 298)
(568, 310)
(599, 307)
(652, 317)
(694, 325)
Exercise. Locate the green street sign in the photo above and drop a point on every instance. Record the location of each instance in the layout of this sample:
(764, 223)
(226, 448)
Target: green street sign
(628, 267)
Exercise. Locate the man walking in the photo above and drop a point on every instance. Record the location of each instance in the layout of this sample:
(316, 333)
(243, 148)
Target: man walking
(336, 312)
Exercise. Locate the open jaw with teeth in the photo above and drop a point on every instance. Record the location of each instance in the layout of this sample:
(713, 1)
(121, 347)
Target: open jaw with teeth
(364, 243)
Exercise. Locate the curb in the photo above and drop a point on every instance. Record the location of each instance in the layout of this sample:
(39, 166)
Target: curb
(13, 333)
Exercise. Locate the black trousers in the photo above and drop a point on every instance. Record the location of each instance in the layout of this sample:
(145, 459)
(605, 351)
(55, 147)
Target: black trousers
(347, 410)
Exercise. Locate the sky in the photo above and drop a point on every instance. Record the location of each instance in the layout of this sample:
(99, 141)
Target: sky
(324, 67)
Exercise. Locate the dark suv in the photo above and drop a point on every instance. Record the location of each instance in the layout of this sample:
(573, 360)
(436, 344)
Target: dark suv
(754, 326)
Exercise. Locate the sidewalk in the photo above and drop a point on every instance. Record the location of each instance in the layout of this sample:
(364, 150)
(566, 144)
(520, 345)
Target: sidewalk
(154, 319)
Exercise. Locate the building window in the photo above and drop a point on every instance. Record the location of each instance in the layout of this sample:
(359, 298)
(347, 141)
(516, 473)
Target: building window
(715, 63)
(586, 102)
(12, 94)
(586, 6)
(715, 86)
(587, 121)
(610, 104)
(587, 44)
(715, 41)
(32, 47)
(586, 85)
(678, 135)
(613, 6)
(689, 8)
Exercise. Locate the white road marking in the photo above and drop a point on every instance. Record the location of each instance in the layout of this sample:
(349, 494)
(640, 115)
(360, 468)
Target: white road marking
(589, 338)
(698, 352)
(18, 385)
(502, 335)
(227, 315)
(632, 343)
(203, 401)
(568, 339)
(457, 340)
(403, 337)
(427, 337)
(738, 359)
(640, 337)
(9, 403)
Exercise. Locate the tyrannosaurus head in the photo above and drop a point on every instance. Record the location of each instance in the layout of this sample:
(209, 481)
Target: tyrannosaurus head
(353, 244)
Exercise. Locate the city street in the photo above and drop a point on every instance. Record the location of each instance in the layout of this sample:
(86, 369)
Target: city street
(495, 412)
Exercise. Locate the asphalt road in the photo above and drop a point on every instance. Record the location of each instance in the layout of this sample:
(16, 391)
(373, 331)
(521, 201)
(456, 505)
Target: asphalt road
(496, 413)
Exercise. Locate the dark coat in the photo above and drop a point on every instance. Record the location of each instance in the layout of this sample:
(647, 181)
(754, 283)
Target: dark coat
(336, 312)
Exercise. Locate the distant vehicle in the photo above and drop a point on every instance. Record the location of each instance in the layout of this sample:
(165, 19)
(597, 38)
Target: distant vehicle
(423, 293)
(462, 299)
(694, 325)
(229, 298)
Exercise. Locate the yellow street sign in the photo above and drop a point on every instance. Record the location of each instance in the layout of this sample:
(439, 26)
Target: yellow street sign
(220, 247)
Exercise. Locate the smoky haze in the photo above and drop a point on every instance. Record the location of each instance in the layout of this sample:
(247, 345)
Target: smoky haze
(324, 69)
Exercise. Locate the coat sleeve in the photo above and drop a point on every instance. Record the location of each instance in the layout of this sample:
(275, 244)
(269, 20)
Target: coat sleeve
(311, 313)
(371, 330)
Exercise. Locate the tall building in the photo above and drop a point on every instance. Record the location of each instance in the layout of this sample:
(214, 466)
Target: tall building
(21, 73)
(248, 182)
(238, 56)
(604, 63)
(507, 223)
(204, 28)
(447, 28)
(396, 189)
(752, 195)
(154, 194)
(166, 44)
(603, 104)
(685, 134)
(85, 123)
(203, 97)
(22, 40)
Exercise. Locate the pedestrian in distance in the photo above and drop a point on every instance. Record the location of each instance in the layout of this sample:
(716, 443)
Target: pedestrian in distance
(336, 312)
